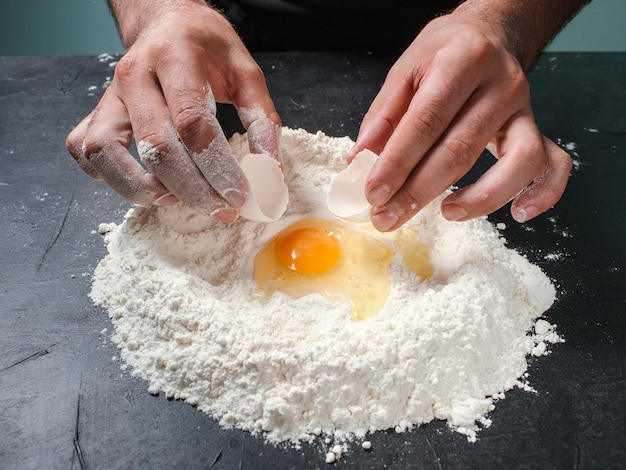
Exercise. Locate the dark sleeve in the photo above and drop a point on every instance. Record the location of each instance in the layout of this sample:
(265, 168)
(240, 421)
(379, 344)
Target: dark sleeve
(340, 25)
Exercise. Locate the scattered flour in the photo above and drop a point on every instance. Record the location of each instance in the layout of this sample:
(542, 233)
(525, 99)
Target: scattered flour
(177, 287)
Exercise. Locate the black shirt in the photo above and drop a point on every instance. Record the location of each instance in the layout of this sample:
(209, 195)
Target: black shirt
(270, 25)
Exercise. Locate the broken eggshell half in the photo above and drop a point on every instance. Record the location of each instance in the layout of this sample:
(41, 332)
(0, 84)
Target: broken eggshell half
(346, 197)
(269, 194)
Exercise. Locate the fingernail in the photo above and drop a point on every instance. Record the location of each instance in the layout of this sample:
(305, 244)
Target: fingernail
(379, 195)
(166, 200)
(225, 215)
(384, 221)
(523, 214)
(453, 212)
(235, 198)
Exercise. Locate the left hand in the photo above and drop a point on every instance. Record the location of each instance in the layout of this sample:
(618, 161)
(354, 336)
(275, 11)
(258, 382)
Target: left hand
(456, 90)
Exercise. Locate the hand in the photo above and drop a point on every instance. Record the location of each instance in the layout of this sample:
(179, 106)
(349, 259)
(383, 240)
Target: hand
(182, 58)
(455, 90)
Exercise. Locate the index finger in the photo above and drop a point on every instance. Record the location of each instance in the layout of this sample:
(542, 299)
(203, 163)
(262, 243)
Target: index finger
(263, 131)
(430, 89)
(435, 100)
(192, 107)
(258, 114)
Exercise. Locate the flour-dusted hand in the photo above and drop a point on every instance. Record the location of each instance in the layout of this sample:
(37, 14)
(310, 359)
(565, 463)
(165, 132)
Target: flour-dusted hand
(182, 57)
(460, 86)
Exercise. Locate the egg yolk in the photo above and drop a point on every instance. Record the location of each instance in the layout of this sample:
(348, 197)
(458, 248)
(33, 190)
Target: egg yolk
(317, 256)
(308, 250)
(343, 264)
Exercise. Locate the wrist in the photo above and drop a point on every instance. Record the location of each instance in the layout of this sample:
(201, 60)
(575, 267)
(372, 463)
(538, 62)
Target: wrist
(132, 16)
(523, 27)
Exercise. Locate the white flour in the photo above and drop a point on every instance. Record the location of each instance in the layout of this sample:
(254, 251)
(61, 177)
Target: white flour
(177, 288)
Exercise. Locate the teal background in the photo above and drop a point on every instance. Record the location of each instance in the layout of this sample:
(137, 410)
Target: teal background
(69, 27)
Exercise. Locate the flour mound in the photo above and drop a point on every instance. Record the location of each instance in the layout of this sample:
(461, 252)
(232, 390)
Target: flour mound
(178, 285)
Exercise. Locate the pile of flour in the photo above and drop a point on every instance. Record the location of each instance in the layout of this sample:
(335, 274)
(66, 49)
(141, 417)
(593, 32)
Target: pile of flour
(178, 286)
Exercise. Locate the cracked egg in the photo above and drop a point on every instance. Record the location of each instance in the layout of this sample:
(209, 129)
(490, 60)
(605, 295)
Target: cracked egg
(346, 197)
(269, 194)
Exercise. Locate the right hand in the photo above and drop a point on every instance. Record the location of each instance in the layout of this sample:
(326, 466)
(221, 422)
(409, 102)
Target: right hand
(458, 88)
(182, 60)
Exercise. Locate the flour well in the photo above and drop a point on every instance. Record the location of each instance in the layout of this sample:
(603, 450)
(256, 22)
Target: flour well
(178, 287)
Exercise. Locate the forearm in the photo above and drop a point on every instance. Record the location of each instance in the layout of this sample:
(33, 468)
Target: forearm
(527, 25)
(132, 15)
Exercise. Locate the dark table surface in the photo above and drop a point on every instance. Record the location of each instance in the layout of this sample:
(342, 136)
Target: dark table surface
(65, 400)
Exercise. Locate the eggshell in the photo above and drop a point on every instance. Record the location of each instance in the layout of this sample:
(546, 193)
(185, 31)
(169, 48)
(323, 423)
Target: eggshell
(346, 197)
(269, 194)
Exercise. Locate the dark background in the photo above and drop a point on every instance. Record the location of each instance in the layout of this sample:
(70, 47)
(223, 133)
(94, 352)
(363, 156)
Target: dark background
(65, 401)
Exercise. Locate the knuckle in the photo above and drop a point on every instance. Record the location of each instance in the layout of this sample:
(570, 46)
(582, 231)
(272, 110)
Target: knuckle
(517, 85)
(91, 146)
(428, 123)
(96, 141)
(532, 153)
(459, 155)
(398, 166)
(252, 71)
(380, 119)
(246, 73)
(190, 123)
(127, 67)
(519, 81)
(563, 161)
(410, 198)
(153, 150)
(556, 177)
(74, 142)
(478, 49)
(413, 200)
(75, 146)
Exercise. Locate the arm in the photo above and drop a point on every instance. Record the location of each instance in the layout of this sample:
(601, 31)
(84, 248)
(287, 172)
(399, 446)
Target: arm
(527, 25)
(182, 58)
(458, 88)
